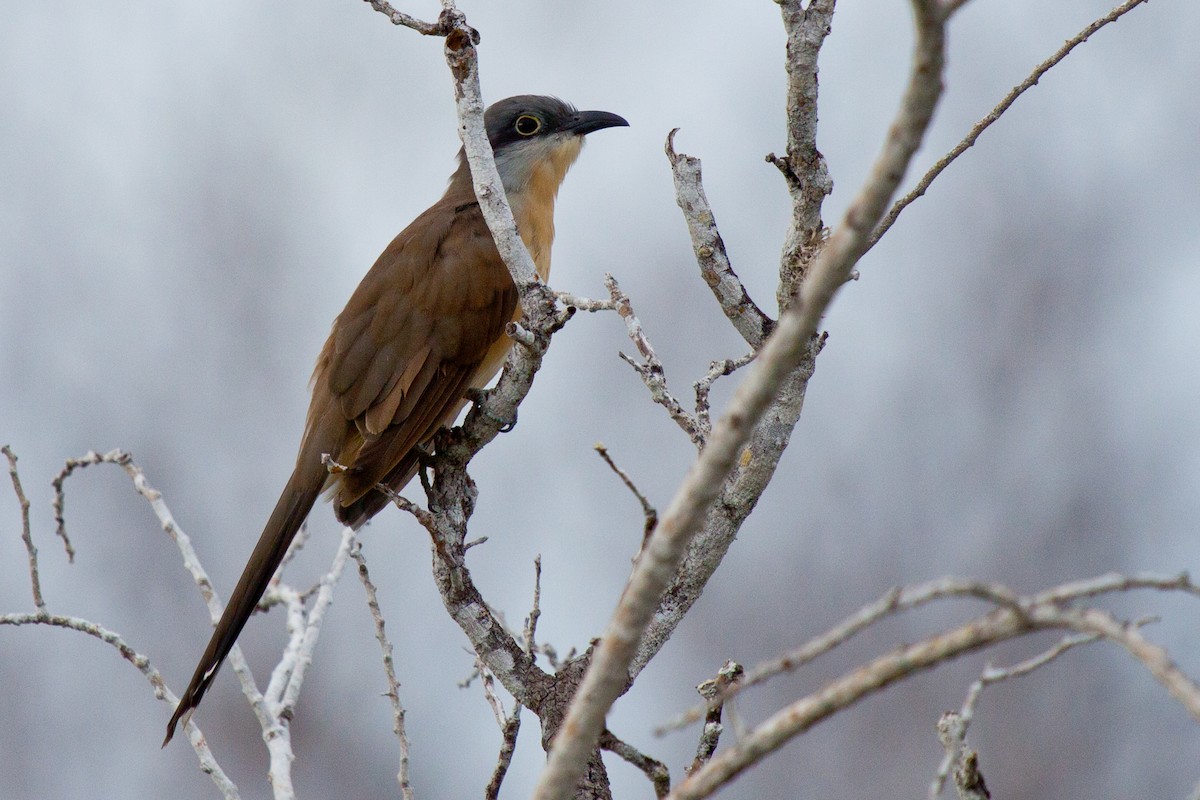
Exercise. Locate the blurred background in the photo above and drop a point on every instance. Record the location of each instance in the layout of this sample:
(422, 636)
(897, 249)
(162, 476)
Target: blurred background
(189, 193)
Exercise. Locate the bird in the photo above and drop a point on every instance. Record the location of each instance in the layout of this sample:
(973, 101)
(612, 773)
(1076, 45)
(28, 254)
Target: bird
(424, 328)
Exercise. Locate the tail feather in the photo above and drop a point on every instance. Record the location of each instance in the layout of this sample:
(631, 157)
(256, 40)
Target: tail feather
(289, 514)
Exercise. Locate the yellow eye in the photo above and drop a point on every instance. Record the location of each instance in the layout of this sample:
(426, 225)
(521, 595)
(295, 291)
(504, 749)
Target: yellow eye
(528, 125)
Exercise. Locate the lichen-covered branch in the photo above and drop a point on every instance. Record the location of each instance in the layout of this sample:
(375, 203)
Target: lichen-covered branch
(779, 358)
(208, 763)
(745, 315)
(1000, 625)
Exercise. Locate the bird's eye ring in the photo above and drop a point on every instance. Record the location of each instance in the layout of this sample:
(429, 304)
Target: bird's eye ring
(528, 125)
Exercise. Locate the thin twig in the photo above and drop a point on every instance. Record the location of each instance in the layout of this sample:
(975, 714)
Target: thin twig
(651, 372)
(191, 563)
(389, 671)
(315, 617)
(711, 690)
(1000, 625)
(488, 681)
(208, 763)
(954, 736)
(716, 370)
(648, 511)
(535, 611)
(400, 18)
(284, 595)
(118, 457)
(293, 550)
(906, 598)
(276, 707)
(655, 770)
(892, 602)
(35, 580)
(421, 515)
(512, 727)
(982, 125)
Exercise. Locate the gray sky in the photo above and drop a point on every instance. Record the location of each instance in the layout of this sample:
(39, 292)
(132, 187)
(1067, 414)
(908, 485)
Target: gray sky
(189, 194)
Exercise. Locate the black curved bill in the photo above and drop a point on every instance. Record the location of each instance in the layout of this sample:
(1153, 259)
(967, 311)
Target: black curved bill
(585, 122)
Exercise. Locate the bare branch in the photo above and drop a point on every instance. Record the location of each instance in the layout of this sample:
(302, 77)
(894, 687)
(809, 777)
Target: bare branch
(312, 628)
(952, 728)
(488, 682)
(999, 625)
(535, 611)
(747, 318)
(512, 726)
(784, 351)
(737, 498)
(1112, 582)
(275, 707)
(712, 690)
(900, 599)
(208, 764)
(654, 770)
(1153, 657)
(648, 511)
(585, 303)
(400, 18)
(838, 694)
(293, 550)
(34, 578)
(651, 372)
(717, 369)
(452, 498)
(389, 671)
(495, 410)
(489, 190)
(190, 561)
(803, 167)
(59, 502)
(968, 780)
(982, 125)
(404, 504)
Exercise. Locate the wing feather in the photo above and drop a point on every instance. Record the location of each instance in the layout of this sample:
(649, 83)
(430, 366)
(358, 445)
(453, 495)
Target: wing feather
(410, 343)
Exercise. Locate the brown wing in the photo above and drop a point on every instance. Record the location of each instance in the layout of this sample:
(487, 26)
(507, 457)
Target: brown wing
(408, 346)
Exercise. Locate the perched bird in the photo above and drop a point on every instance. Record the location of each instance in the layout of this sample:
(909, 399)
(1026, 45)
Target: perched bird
(425, 326)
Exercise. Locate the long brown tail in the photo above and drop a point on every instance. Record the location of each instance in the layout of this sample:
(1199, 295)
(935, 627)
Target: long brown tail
(289, 514)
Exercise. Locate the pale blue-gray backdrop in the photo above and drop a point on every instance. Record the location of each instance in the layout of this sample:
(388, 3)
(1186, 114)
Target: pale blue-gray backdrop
(189, 192)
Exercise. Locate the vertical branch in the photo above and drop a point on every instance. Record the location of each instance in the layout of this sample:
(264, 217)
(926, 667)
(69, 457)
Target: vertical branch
(389, 669)
(804, 168)
(463, 60)
(35, 579)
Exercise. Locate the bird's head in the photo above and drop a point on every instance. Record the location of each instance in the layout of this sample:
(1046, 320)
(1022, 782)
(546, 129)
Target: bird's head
(537, 138)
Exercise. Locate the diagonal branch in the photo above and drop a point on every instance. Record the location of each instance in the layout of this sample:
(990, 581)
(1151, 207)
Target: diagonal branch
(608, 675)
(995, 627)
(35, 579)
(982, 125)
(747, 318)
